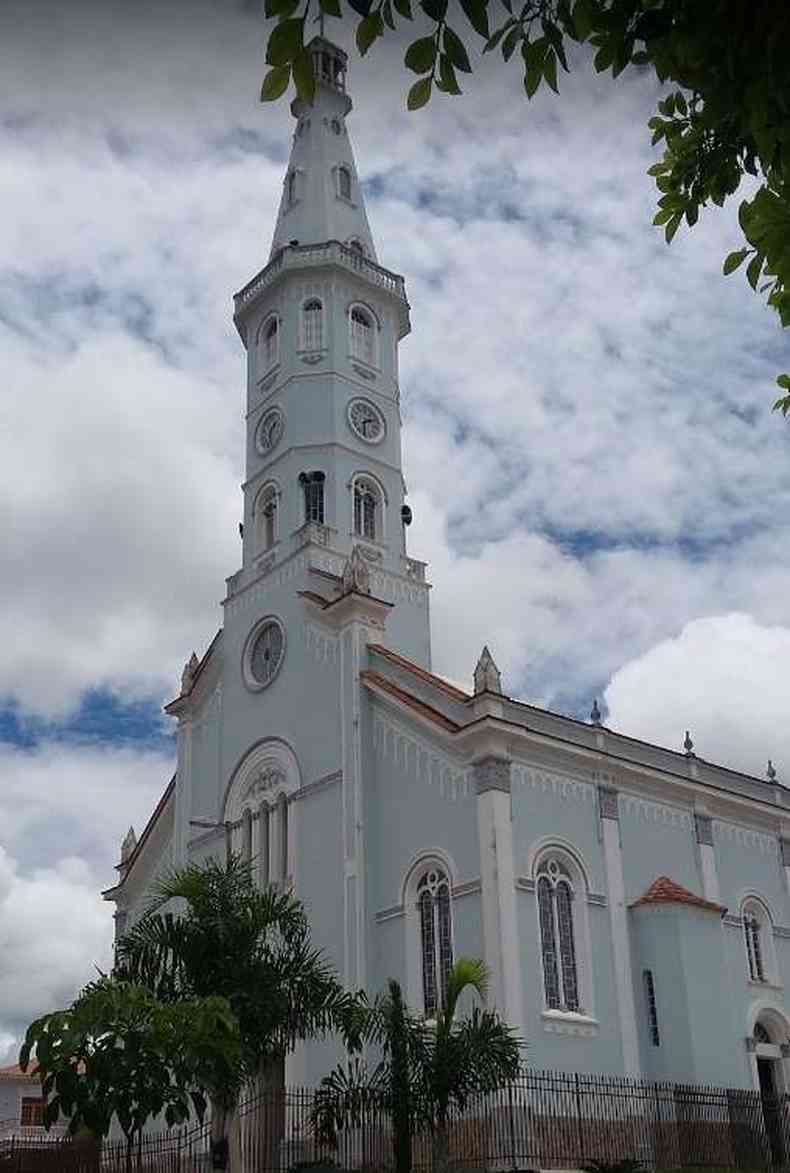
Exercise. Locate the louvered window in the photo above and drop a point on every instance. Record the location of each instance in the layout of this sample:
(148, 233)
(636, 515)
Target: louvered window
(363, 343)
(313, 325)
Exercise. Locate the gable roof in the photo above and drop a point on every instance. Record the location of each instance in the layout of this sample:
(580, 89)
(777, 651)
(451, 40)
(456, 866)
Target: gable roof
(665, 891)
(456, 693)
(378, 681)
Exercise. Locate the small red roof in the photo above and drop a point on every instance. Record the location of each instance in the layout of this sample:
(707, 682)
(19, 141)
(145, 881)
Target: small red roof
(666, 891)
(16, 1072)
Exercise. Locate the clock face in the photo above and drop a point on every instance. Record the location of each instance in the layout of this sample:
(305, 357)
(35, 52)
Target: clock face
(266, 653)
(366, 420)
(269, 431)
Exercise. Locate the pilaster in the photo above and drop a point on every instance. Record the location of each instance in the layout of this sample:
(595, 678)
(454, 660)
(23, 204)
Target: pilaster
(492, 782)
(183, 795)
(618, 915)
(784, 855)
(703, 829)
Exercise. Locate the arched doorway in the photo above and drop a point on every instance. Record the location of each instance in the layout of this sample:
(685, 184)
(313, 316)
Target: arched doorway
(769, 1046)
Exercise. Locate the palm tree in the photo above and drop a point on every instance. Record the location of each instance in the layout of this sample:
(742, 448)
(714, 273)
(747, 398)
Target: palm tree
(251, 946)
(428, 1070)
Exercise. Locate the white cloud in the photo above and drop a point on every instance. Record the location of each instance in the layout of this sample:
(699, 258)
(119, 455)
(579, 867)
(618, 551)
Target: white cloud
(724, 678)
(63, 811)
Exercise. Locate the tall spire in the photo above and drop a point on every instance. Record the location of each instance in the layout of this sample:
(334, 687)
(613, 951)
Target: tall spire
(322, 198)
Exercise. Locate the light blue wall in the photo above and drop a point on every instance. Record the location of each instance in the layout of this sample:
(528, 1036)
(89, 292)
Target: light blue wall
(657, 840)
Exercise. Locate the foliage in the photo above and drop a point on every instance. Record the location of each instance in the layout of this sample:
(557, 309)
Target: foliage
(726, 64)
(119, 1052)
(250, 946)
(428, 1068)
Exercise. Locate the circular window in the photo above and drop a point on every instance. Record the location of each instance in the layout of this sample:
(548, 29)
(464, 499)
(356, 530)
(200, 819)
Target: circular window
(366, 420)
(269, 431)
(263, 654)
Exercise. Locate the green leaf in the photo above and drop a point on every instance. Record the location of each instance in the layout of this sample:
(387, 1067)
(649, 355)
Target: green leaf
(662, 216)
(550, 70)
(436, 9)
(455, 50)
(754, 269)
(280, 7)
(368, 30)
(658, 168)
(604, 57)
(330, 7)
(476, 12)
(304, 76)
(510, 42)
(533, 76)
(495, 38)
(275, 83)
(672, 227)
(403, 8)
(744, 215)
(554, 37)
(419, 94)
(386, 13)
(285, 41)
(583, 19)
(447, 79)
(421, 55)
(692, 214)
(783, 381)
(734, 260)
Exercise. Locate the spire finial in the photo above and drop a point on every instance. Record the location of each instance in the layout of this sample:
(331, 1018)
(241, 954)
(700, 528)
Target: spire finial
(128, 845)
(688, 745)
(487, 676)
(595, 713)
(770, 773)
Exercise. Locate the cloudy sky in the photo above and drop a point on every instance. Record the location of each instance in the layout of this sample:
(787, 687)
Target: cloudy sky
(597, 480)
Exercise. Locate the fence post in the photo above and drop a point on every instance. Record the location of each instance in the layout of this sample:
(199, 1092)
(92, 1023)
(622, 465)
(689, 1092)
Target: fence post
(577, 1097)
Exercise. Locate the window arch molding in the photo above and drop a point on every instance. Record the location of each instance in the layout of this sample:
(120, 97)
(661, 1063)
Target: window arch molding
(431, 859)
(562, 886)
(344, 182)
(758, 938)
(259, 795)
(267, 342)
(364, 334)
(360, 517)
(312, 323)
(266, 516)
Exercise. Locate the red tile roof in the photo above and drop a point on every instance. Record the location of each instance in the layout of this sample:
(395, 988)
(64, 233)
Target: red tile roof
(666, 891)
(428, 677)
(379, 681)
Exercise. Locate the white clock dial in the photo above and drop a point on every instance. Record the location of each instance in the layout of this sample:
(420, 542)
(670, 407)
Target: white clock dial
(366, 420)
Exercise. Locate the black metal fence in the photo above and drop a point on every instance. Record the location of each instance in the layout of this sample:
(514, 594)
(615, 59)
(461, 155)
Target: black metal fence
(544, 1120)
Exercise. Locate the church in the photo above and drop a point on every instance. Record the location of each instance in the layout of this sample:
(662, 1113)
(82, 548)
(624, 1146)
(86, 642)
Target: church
(632, 903)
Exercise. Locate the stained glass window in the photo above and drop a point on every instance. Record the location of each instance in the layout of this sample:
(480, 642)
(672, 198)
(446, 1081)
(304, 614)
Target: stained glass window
(557, 937)
(433, 902)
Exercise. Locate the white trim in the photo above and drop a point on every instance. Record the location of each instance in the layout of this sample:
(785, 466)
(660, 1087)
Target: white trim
(374, 362)
(253, 684)
(380, 516)
(302, 334)
(272, 489)
(710, 876)
(262, 368)
(754, 904)
(615, 885)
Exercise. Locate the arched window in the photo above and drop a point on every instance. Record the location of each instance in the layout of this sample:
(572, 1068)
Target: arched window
(557, 936)
(344, 183)
(367, 509)
(313, 488)
(761, 1034)
(758, 941)
(436, 938)
(362, 330)
(312, 325)
(266, 510)
(268, 343)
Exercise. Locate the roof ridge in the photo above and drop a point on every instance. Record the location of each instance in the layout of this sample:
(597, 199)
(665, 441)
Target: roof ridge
(422, 673)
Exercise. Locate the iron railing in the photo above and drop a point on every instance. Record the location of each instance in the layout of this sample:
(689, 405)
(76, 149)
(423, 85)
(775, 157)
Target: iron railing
(544, 1120)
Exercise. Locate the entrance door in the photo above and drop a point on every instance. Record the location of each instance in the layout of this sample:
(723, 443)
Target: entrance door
(771, 1113)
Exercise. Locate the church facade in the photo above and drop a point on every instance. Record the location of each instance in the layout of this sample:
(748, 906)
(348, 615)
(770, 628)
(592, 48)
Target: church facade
(632, 903)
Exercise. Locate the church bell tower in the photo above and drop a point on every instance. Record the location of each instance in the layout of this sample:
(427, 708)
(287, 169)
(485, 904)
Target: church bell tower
(321, 324)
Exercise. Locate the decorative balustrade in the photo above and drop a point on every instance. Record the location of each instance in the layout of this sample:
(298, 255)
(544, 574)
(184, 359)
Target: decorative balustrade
(298, 256)
(312, 532)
